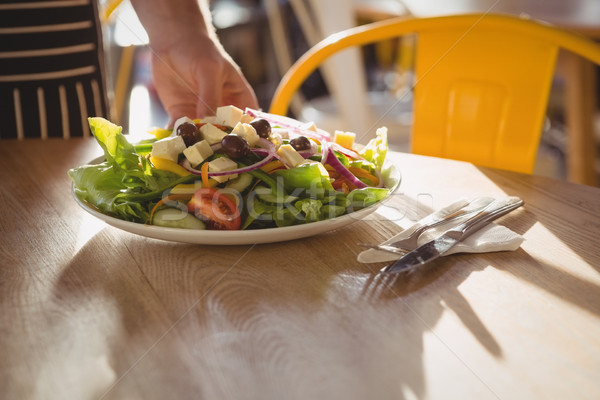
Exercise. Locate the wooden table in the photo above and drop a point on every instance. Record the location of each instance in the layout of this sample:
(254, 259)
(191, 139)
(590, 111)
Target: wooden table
(91, 312)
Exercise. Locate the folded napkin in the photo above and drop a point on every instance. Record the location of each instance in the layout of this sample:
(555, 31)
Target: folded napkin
(490, 238)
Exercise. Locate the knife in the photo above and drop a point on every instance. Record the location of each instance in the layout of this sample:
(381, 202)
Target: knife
(437, 247)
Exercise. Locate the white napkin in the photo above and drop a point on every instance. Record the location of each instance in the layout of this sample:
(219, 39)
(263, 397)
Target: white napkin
(490, 238)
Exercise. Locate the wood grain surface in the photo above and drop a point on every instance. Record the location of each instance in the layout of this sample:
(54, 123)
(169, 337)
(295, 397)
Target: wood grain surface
(91, 312)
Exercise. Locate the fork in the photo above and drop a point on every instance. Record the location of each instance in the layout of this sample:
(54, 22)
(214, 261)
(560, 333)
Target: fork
(431, 221)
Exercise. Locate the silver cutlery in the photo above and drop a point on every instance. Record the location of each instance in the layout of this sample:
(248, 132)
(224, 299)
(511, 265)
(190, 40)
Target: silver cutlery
(437, 247)
(410, 243)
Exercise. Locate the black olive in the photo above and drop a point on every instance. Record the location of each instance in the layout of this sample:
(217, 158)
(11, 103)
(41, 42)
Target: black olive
(262, 127)
(189, 133)
(235, 146)
(300, 143)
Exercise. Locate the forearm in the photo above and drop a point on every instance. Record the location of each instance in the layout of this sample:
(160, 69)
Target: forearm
(168, 22)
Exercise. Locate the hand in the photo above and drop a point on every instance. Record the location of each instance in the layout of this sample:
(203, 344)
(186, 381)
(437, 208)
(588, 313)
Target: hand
(193, 80)
(193, 74)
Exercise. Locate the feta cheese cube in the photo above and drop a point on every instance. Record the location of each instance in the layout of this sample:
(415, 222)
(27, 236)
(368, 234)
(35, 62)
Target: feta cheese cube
(198, 152)
(179, 122)
(247, 118)
(246, 132)
(229, 115)
(211, 119)
(168, 148)
(276, 139)
(282, 132)
(289, 156)
(321, 167)
(222, 164)
(211, 133)
(344, 139)
(310, 126)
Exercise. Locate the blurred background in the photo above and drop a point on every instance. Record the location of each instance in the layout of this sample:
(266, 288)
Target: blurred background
(266, 36)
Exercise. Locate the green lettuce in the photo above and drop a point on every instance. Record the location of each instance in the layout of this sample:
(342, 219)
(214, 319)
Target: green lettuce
(125, 185)
(361, 198)
(376, 150)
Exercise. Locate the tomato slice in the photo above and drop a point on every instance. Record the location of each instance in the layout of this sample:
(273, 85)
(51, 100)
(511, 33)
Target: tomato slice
(215, 208)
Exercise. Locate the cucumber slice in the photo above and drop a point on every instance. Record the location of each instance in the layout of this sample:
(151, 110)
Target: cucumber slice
(266, 194)
(176, 218)
(241, 183)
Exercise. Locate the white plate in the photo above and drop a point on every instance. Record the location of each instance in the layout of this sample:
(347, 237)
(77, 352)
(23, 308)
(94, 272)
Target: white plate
(255, 236)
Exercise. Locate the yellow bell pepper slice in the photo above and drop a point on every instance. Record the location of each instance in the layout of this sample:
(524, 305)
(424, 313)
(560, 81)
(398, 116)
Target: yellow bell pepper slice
(271, 166)
(190, 188)
(160, 133)
(168, 165)
(185, 188)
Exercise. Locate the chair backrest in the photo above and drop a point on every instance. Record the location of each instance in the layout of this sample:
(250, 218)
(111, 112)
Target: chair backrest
(482, 82)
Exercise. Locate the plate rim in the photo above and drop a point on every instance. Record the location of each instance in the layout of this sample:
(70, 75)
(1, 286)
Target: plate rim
(239, 237)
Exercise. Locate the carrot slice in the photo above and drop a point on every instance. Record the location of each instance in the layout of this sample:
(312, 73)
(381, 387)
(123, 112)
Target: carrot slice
(204, 175)
(361, 173)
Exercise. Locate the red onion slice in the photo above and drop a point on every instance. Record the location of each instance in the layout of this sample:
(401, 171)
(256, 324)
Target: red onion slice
(266, 146)
(347, 152)
(324, 152)
(291, 124)
(343, 171)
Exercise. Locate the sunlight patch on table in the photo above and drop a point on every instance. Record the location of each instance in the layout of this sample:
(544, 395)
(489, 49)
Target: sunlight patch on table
(89, 227)
(408, 210)
(78, 361)
(557, 250)
(392, 214)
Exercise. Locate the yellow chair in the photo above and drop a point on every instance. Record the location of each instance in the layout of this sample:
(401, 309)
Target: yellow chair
(482, 82)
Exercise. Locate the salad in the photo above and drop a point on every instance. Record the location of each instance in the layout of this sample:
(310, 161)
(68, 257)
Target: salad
(239, 169)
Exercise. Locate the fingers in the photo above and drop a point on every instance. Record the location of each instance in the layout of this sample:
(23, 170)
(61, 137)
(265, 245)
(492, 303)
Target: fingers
(185, 108)
(208, 99)
(203, 85)
(238, 92)
(242, 98)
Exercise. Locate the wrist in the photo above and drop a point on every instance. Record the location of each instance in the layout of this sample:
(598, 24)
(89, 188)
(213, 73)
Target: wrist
(180, 37)
(167, 26)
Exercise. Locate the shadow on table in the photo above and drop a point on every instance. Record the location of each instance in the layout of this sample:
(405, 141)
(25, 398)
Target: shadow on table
(382, 287)
(549, 203)
(268, 320)
(553, 207)
(108, 302)
(441, 279)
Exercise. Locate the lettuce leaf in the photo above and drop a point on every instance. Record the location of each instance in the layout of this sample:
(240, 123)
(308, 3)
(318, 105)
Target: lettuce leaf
(311, 208)
(361, 198)
(125, 185)
(376, 150)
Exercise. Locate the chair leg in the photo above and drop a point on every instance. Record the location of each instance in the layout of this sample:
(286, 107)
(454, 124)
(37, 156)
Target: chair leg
(580, 108)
